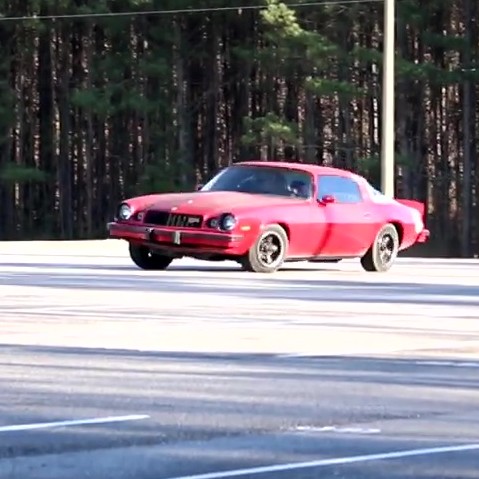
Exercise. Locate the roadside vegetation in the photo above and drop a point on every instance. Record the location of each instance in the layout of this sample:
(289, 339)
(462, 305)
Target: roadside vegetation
(97, 108)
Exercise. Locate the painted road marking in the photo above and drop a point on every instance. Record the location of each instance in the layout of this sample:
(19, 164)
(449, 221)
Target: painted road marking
(74, 422)
(338, 461)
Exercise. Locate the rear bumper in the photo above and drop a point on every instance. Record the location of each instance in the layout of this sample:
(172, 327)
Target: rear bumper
(177, 240)
(423, 236)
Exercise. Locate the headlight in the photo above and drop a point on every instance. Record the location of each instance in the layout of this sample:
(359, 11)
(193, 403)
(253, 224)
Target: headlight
(124, 212)
(227, 222)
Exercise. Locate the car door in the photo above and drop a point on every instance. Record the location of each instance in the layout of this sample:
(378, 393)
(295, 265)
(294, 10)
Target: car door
(347, 228)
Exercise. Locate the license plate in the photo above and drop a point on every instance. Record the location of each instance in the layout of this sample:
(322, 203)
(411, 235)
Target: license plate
(176, 237)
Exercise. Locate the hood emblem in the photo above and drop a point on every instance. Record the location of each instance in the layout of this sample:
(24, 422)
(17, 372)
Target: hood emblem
(174, 208)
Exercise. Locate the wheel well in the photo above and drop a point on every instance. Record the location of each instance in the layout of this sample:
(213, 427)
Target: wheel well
(400, 230)
(286, 229)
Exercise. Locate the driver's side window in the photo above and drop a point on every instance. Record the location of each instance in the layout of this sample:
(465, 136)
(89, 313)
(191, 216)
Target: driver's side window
(344, 190)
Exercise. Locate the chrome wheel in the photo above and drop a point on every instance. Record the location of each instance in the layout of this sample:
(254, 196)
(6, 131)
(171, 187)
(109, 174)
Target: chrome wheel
(381, 255)
(269, 250)
(386, 248)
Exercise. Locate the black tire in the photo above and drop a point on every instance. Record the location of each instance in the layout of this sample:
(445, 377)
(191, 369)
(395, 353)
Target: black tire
(145, 259)
(383, 252)
(269, 251)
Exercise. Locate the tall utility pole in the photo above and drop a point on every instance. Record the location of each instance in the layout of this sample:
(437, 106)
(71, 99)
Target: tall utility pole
(388, 123)
(467, 102)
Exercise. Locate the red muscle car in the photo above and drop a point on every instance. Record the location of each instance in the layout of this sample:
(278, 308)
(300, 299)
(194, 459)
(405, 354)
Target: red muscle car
(262, 214)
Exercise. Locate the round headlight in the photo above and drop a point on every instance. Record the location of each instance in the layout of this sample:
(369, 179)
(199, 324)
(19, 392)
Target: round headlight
(124, 212)
(228, 222)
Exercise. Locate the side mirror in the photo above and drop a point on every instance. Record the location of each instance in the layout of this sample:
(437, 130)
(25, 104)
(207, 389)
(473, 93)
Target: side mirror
(327, 199)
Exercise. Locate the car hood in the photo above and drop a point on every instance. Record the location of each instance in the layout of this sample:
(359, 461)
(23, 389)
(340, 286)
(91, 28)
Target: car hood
(213, 202)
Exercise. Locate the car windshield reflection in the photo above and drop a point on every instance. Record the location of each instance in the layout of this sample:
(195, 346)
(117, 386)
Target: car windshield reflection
(262, 180)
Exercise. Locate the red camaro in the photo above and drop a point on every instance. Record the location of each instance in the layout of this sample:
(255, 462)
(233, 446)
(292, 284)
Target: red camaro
(262, 214)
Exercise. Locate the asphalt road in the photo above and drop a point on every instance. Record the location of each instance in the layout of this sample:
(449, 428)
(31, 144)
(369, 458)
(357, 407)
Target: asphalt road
(317, 371)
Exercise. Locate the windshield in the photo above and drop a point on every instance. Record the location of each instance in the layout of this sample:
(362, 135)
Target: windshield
(262, 180)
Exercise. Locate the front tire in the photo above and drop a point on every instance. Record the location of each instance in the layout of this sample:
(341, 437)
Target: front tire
(145, 259)
(269, 251)
(383, 252)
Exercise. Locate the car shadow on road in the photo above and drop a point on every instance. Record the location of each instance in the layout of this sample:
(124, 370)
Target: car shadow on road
(206, 267)
(316, 287)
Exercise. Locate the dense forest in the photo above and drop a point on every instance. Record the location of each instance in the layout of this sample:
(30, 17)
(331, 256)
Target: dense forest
(105, 99)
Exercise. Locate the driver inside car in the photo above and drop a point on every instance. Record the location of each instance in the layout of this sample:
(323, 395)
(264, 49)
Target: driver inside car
(265, 183)
(299, 189)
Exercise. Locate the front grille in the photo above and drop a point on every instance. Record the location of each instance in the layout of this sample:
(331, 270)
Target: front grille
(156, 218)
(163, 218)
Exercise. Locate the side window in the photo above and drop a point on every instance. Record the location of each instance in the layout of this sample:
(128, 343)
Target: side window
(344, 190)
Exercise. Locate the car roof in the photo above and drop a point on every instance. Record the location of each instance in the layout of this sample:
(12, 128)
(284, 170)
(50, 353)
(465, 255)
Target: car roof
(312, 168)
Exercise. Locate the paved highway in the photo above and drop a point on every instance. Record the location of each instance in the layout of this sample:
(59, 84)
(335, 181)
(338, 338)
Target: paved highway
(207, 372)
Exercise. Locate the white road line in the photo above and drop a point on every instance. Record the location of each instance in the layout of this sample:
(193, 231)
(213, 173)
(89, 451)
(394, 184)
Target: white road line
(74, 422)
(334, 462)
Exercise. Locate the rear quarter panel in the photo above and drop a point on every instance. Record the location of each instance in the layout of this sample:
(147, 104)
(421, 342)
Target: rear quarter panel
(403, 217)
(407, 215)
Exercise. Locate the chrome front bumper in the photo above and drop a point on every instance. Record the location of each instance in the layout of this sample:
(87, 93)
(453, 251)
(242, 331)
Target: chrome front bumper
(170, 235)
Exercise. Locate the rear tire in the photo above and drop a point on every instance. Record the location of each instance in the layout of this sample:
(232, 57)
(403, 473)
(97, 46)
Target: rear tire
(145, 259)
(381, 255)
(269, 251)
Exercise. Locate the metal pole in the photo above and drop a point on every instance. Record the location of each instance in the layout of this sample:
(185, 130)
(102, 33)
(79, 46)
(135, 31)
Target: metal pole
(468, 122)
(467, 167)
(388, 123)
